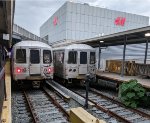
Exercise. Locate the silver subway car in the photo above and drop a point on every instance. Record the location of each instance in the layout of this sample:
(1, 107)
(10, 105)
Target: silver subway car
(32, 60)
(73, 62)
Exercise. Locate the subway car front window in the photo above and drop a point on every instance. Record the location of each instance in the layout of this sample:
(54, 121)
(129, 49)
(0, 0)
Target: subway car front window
(47, 58)
(72, 57)
(83, 57)
(21, 56)
(92, 57)
(34, 56)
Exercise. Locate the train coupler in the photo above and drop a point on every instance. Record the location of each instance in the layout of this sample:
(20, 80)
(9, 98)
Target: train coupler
(36, 84)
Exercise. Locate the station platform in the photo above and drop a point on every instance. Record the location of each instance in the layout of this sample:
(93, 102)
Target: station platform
(6, 110)
(117, 77)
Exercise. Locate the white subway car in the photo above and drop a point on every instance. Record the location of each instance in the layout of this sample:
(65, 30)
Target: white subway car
(73, 62)
(32, 60)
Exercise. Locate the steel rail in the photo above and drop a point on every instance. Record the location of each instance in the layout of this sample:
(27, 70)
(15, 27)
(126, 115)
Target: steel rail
(109, 112)
(36, 120)
(56, 103)
(119, 103)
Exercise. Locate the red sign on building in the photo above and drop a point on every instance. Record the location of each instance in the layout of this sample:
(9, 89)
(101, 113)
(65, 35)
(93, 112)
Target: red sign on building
(55, 21)
(120, 21)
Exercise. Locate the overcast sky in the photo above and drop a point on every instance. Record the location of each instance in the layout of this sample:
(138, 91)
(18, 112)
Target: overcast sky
(31, 14)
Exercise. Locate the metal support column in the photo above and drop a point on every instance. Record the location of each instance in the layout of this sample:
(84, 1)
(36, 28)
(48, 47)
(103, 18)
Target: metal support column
(124, 53)
(99, 59)
(146, 49)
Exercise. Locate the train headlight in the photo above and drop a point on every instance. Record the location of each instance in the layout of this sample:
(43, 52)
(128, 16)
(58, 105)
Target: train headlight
(70, 70)
(74, 70)
(18, 70)
(49, 70)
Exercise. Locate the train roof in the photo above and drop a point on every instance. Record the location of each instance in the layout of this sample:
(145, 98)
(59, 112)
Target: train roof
(29, 43)
(75, 46)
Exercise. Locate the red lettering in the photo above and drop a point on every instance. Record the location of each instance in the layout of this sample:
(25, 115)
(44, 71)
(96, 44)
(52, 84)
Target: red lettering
(117, 21)
(120, 21)
(55, 21)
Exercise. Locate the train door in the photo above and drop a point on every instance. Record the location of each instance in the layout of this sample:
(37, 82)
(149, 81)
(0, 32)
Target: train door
(83, 63)
(34, 67)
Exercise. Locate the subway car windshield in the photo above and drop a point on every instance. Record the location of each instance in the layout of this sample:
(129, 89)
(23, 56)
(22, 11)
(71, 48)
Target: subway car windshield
(21, 56)
(47, 58)
(72, 57)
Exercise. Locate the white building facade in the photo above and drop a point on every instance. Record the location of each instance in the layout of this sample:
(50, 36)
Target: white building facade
(76, 21)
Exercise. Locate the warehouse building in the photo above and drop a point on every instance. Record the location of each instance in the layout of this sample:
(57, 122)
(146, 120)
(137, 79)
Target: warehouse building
(76, 21)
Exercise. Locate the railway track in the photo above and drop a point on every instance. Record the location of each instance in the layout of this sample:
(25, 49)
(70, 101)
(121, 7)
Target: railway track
(48, 105)
(110, 109)
(98, 113)
(38, 106)
(20, 109)
(65, 104)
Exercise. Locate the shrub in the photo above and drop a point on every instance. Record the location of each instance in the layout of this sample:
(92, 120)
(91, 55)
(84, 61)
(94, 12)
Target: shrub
(131, 93)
